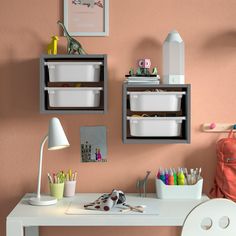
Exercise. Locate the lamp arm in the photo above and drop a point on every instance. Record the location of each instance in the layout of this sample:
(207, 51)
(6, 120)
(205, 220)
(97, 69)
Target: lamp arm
(40, 165)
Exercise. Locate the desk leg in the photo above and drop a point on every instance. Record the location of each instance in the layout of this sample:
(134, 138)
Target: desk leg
(32, 231)
(14, 228)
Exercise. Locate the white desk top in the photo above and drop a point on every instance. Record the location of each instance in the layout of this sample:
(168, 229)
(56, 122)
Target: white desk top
(159, 212)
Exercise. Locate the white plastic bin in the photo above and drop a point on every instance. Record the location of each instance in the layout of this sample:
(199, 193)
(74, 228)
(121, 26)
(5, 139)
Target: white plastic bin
(74, 71)
(155, 101)
(74, 97)
(164, 191)
(155, 126)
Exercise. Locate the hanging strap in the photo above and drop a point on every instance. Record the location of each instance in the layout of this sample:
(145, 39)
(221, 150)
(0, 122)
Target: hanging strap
(231, 134)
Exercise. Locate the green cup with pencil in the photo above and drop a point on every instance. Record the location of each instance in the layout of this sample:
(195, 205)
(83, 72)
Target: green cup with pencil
(56, 184)
(70, 183)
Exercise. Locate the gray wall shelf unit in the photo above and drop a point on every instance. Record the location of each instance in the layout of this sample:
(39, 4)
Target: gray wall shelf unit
(45, 107)
(185, 111)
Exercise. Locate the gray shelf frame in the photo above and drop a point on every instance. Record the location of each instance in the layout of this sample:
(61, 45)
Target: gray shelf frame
(156, 140)
(44, 58)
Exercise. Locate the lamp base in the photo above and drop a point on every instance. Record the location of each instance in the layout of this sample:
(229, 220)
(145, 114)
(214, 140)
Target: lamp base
(42, 201)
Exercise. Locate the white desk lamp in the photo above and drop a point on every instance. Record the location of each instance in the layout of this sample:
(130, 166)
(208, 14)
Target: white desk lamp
(56, 140)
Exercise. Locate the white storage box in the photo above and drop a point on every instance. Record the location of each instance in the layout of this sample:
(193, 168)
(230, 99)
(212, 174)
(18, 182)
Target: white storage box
(155, 101)
(155, 126)
(74, 71)
(74, 97)
(164, 191)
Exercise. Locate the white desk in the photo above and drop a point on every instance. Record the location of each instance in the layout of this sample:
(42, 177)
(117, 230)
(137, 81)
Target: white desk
(25, 216)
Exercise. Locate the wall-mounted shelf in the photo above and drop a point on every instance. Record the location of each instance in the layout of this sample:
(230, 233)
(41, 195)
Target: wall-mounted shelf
(179, 116)
(217, 127)
(73, 84)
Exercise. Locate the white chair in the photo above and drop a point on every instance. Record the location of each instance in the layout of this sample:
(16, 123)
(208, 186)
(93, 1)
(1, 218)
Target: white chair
(216, 217)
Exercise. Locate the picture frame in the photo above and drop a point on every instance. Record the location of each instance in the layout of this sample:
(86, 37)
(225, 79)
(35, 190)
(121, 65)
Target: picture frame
(86, 17)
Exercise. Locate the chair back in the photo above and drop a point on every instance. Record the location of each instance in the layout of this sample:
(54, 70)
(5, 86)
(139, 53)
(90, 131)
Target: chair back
(216, 217)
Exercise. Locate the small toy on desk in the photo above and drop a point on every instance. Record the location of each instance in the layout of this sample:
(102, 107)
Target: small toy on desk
(142, 184)
(73, 46)
(52, 46)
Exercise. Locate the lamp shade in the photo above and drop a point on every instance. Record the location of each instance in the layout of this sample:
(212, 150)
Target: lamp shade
(56, 135)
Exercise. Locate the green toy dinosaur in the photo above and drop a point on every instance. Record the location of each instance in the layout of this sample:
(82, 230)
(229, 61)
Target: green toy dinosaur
(154, 71)
(73, 46)
(131, 72)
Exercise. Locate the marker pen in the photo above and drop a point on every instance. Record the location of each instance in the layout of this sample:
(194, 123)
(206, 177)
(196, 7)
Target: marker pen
(159, 173)
(162, 176)
(186, 176)
(166, 177)
(175, 177)
(181, 178)
(171, 178)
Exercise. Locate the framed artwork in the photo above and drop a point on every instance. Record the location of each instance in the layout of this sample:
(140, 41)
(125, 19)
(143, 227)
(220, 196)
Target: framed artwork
(93, 143)
(87, 17)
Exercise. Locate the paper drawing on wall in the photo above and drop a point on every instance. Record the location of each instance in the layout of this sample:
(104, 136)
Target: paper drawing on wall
(87, 17)
(93, 144)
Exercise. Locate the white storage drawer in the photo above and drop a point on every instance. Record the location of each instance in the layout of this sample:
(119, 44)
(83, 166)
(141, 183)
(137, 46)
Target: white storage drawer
(155, 101)
(164, 191)
(74, 71)
(155, 126)
(74, 97)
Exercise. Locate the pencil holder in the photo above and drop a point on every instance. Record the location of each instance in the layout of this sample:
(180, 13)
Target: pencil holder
(69, 189)
(56, 190)
(164, 191)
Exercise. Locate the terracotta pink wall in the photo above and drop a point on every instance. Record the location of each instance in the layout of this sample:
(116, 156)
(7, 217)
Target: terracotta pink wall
(137, 29)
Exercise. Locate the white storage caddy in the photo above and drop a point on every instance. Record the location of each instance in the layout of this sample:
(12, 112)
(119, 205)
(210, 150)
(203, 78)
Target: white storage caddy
(155, 126)
(74, 71)
(74, 97)
(164, 191)
(155, 101)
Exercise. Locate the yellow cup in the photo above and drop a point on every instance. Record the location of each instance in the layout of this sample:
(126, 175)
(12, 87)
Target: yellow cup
(56, 190)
